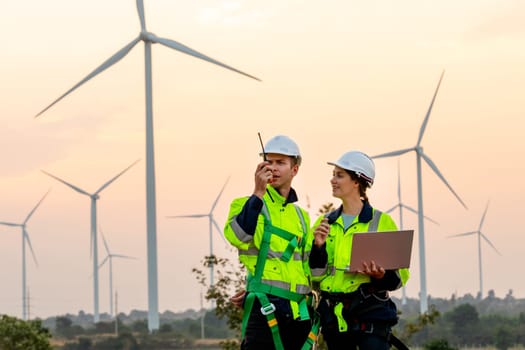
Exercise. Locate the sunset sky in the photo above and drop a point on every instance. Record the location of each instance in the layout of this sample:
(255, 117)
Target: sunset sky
(336, 76)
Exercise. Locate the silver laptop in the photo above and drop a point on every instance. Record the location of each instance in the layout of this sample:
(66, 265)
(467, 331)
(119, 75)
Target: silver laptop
(390, 249)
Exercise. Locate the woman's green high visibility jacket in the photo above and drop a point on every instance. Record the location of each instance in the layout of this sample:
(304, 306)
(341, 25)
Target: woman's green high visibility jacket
(329, 264)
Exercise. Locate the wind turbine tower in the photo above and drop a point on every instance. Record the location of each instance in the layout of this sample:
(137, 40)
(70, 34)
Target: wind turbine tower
(151, 210)
(480, 235)
(109, 259)
(93, 240)
(25, 240)
(402, 206)
(421, 156)
(212, 223)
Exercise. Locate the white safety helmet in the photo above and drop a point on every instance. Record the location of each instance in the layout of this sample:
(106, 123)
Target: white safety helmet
(359, 163)
(282, 144)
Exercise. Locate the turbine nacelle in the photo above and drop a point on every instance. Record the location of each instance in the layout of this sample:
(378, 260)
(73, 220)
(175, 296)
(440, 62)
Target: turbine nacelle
(148, 37)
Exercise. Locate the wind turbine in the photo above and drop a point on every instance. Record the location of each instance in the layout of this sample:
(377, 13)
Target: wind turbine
(93, 241)
(151, 211)
(25, 239)
(420, 155)
(480, 235)
(212, 223)
(402, 206)
(109, 259)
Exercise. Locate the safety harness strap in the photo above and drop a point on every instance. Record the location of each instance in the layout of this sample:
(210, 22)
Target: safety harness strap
(267, 309)
(314, 332)
(259, 290)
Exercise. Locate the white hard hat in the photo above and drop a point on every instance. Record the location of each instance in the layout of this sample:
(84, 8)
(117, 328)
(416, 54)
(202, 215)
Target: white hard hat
(281, 144)
(359, 163)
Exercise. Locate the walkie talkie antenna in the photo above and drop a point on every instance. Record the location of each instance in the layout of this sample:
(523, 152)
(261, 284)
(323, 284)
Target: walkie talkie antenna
(262, 146)
(265, 159)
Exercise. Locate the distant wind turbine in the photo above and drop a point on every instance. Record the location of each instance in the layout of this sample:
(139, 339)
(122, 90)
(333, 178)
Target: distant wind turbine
(93, 240)
(480, 235)
(151, 211)
(25, 239)
(402, 206)
(212, 223)
(109, 259)
(420, 155)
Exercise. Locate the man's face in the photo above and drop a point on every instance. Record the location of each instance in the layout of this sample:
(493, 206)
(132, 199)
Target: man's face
(282, 169)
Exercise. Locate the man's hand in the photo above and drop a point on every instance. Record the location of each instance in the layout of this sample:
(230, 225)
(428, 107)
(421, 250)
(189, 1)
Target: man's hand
(263, 176)
(238, 298)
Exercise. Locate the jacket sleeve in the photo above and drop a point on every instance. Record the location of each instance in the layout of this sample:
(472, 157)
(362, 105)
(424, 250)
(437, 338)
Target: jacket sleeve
(242, 221)
(318, 258)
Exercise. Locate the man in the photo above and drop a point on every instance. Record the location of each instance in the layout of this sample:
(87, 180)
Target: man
(269, 231)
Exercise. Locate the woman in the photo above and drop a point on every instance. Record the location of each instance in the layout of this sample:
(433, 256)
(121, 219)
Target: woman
(355, 309)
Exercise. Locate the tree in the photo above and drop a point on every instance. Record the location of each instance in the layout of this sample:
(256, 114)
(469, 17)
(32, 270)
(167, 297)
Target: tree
(438, 344)
(140, 326)
(464, 315)
(326, 208)
(17, 334)
(230, 279)
(64, 327)
(503, 338)
(423, 320)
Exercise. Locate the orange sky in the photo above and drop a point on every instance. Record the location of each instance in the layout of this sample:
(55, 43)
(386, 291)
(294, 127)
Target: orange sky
(338, 76)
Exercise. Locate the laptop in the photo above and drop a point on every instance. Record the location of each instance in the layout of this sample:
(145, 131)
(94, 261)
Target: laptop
(389, 249)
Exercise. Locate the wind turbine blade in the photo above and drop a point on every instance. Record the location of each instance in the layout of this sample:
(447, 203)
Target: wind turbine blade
(394, 153)
(415, 212)
(410, 209)
(185, 49)
(489, 242)
(123, 256)
(116, 177)
(28, 240)
(438, 173)
(392, 209)
(219, 196)
(9, 224)
(463, 234)
(108, 63)
(103, 261)
(140, 10)
(36, 206)
(188, 216)
(104, 240)
(67, 183)
(425, 121)
(483, 217)
(219, 229)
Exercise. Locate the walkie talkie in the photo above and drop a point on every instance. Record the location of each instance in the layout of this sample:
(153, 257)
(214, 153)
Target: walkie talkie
(265, 159)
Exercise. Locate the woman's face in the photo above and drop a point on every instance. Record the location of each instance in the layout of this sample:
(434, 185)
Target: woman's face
(342, 184)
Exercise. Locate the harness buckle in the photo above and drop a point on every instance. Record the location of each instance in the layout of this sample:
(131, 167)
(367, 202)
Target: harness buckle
(267, 309)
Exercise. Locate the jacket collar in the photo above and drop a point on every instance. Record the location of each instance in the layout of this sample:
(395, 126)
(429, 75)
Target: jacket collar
(364, 216)
(292, 196)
